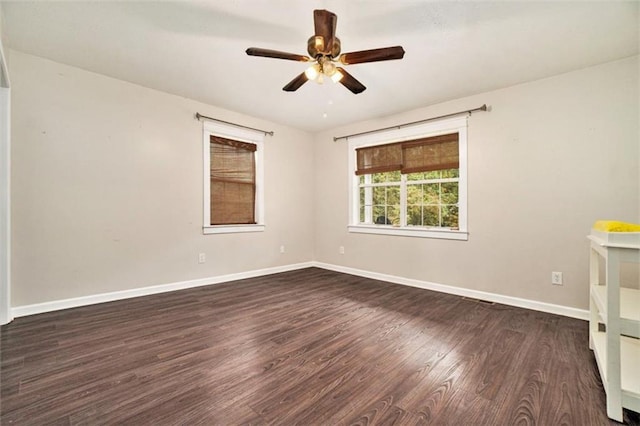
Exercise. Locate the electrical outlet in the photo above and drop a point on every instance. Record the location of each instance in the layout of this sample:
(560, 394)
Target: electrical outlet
(202, 258)
(281, 249)
(556, 278)
(341, 250)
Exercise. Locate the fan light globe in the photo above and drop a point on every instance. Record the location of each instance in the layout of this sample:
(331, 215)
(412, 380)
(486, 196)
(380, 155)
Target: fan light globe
(337, 76)
(312, 72)
(328, 68)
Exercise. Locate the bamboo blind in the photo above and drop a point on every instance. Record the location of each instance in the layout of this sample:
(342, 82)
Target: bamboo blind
(418, 155)
(233, 181)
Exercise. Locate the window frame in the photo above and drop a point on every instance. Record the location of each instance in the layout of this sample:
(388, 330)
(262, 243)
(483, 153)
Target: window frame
(429, 129)
(242, 135)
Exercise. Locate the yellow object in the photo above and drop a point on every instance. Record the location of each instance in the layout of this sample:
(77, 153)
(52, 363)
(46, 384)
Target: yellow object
(615, 226)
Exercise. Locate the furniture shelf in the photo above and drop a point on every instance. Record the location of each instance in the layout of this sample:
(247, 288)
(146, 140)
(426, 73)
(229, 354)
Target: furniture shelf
(629, 309)
(617, 349)
(630, 367)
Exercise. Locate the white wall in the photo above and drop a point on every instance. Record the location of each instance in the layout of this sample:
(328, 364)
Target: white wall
(107, 191)
(107, 188)
(5, 184)
(550, 158)
(2, 34)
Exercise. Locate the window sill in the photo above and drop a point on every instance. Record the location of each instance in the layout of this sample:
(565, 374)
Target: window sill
(410, 232)
(231, 229)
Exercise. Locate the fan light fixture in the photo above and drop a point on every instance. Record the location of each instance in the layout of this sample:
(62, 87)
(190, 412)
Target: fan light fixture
(324, 67)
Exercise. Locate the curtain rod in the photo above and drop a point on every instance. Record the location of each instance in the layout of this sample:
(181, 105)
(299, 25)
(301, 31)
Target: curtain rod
(200, 116)
(400, 126)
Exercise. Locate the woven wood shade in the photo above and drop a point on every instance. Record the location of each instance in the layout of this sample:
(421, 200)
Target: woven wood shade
(379, 158)
(418, 155)
(233, 181)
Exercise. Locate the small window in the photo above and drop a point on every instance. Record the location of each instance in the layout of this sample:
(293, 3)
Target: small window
(411, 181)
(233, 187)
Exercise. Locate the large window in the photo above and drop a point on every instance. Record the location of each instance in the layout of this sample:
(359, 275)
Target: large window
(233, 187)
(411, 181)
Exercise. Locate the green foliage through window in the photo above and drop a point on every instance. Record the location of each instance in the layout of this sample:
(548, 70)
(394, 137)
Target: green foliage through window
(431, 198)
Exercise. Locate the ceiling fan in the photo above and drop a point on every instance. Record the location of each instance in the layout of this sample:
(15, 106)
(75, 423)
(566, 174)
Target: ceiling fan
(324, 52)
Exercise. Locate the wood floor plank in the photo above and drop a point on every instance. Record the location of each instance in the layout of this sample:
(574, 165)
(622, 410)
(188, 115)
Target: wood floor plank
(303, 347)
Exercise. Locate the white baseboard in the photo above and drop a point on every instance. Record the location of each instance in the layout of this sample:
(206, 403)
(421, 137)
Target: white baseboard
(459, 291)
(56, 305)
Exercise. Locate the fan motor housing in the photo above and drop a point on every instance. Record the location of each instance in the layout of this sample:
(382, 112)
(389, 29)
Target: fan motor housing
(316, 46)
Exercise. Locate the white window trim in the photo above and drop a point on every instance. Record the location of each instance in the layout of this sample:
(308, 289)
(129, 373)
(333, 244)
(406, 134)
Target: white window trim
(452, 125)
(239, 134)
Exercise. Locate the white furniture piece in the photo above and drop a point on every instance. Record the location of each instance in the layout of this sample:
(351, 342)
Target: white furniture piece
(616, 346)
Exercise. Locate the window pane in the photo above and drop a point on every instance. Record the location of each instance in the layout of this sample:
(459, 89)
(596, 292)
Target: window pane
(415, 176)
(431, 193)
(431, 216)
(450, 193)
(428, 204)
(386, 201)
(450, 173)
(394, 176)
(379, 177)
(379, 195)
(414, 194)
(450, 216)
(361, 179)
(393, 215)
(393, 195)
(361, 213)
(414, 215)
(379, 214)
(362, 191)
(432, 175)
(386, 177)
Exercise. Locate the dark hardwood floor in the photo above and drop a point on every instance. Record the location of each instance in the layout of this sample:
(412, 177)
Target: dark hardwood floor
(304, 347)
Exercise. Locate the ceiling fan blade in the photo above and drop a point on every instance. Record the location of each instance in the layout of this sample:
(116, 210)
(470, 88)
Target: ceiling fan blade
(350, 82)
(267, 53)
(325, 26)
(373, 55)
(295, 84)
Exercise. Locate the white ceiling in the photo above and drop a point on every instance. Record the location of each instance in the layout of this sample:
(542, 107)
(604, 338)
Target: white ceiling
(197, 49)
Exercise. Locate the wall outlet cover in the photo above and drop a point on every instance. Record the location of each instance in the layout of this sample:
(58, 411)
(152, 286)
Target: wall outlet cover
(556, 278)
